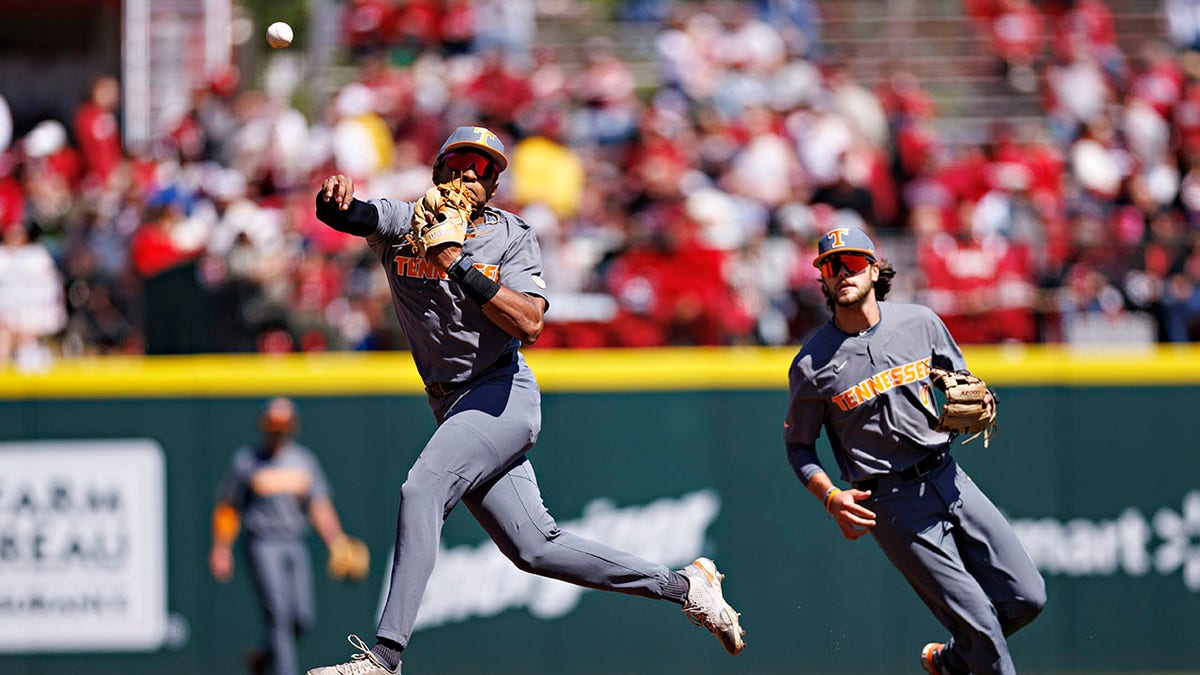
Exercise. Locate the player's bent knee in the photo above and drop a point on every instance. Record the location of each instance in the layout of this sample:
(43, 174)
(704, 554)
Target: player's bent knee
(1034, 597)
(415, 490)
(534, 553)
(1019, 613)
(423, 484)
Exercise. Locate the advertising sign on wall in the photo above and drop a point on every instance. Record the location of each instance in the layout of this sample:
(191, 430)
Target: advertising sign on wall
(82, 554)
(478, 581)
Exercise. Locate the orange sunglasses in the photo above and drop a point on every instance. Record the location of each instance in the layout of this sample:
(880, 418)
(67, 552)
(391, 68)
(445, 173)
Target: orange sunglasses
(854, 263)
(463, 161)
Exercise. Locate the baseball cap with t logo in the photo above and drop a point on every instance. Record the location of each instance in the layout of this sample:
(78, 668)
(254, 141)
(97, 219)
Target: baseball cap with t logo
(844, 240)
(477, 139)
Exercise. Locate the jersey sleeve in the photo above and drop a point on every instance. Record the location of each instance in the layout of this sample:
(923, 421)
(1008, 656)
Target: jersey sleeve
(802, 423)
(234, 484)
(395, 216)
(946, 353)
(521, 269)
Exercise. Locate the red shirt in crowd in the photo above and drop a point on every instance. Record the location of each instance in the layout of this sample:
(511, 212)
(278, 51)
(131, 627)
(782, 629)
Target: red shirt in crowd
(1088, 20)
(12, 202)
(1160, 84)
(1018, 31)
(981, 288)
(99, 139)
(675, 295)
(151, 250)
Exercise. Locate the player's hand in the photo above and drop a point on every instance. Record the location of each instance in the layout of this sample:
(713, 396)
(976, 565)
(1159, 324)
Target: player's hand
(220, 563)
(854, 519)
(339, 189)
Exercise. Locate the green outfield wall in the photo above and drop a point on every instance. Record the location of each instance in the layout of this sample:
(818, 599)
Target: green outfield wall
(107, 470)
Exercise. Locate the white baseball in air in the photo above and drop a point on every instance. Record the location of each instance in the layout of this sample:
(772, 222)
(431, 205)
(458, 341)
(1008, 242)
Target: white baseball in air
(279, 35)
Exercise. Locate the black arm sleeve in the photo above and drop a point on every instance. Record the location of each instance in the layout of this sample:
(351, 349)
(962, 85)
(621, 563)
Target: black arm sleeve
(361, 218)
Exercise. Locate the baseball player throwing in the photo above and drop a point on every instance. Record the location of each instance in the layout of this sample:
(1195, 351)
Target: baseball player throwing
(864, 377)
(466, 285)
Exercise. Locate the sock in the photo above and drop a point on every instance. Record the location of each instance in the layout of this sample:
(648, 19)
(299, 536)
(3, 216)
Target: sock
(676, 588)
(388, 651)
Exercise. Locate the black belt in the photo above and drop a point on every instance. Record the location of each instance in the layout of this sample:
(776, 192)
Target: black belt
(444, 389)
(922, 468)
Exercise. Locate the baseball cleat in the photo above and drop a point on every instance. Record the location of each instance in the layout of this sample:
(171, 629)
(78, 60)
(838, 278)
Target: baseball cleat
(706, 606)
(931, 658)
(363, 663)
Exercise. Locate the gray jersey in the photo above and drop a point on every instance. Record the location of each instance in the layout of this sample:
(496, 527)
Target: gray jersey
(871, 392)
(273, 491)
(451, 339)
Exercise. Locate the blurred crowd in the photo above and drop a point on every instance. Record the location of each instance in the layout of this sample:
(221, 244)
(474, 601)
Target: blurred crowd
(682, 213)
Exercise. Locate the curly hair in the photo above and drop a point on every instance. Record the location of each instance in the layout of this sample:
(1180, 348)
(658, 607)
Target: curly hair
(883, 285)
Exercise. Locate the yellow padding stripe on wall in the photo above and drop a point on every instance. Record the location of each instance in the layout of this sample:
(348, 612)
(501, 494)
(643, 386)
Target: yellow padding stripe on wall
(668, 369)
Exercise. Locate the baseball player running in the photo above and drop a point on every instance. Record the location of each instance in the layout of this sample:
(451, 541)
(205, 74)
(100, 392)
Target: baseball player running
(864, 376)
(466, 305)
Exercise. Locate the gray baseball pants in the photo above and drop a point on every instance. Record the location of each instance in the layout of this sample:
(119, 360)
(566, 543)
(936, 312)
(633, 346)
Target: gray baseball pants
(965, 562)
(282, 578)
(477, 456)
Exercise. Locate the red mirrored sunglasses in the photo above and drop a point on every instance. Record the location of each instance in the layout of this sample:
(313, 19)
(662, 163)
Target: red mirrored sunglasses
(854, 263)
(463, 161)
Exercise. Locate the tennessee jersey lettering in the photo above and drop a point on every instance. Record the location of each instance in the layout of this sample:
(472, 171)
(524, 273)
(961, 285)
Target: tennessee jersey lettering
(416, 268)
(280, 480)
(881, 382)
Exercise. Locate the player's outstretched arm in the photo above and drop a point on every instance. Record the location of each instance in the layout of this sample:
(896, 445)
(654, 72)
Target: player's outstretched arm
(337, 207)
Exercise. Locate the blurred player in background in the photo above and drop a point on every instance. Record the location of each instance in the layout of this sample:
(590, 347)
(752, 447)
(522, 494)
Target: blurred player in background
(272, 490)
(864, 377)
(466, 308)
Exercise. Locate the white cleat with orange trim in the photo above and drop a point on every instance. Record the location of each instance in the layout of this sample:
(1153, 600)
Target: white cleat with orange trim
(706, 605)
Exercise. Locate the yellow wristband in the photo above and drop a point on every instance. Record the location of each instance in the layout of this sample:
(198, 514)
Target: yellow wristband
(829, 494)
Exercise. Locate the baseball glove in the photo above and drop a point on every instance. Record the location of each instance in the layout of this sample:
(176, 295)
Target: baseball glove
(349, 559)
(441, 216)
(965, 410)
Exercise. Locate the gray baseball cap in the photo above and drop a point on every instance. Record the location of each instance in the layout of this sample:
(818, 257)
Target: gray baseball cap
(478, 139)
(844, 240)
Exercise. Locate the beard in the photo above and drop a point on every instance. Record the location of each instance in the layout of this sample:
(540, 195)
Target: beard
(853, 297)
